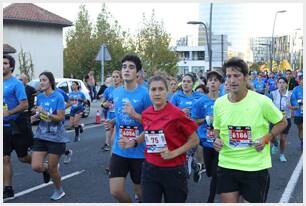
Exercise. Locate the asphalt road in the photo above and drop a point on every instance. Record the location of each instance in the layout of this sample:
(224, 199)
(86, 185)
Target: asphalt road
(86, 182)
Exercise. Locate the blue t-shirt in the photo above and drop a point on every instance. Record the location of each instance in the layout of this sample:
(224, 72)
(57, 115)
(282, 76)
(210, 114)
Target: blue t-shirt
(259, 86)
(108, 96)
(297, 100)
(48, 130)
(13, 94)
(222, 90)
(200, 109)
(182, 101)
(140, 100)
(271, 84)
(76, 99)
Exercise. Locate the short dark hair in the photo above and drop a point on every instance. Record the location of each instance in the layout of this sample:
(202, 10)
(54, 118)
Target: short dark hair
(133, 58)
(283, 78)
(51, 78)
(193, 78)
(237, 64)
(11, 61)
(158, 78)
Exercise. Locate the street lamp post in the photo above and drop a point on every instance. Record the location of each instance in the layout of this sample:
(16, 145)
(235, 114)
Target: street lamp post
(272, 39)
(207, 39)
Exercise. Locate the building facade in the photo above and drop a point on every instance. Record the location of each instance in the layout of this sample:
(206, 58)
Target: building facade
(195, 58)
(38, 33)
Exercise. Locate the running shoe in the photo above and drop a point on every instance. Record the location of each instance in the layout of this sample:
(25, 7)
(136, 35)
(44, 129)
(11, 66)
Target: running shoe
(67, 158)
(57, 195)
(106, 147)
(282, 158)
(81, 128)
(8, 193)
(274, 150)
(197, 175)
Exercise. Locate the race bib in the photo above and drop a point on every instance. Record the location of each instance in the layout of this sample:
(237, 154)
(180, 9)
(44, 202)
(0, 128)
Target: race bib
(240, 136)
(210, 134)
(129, 132)
(155, 141)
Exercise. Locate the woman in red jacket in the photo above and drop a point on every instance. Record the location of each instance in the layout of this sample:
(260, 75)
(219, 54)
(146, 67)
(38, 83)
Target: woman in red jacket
(168, 134)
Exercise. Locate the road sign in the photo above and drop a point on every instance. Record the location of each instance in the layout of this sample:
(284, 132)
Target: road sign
(103, 55)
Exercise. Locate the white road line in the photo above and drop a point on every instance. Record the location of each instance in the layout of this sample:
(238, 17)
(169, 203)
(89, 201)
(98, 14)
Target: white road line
(292, 182)
(87, 127)
(46, 184)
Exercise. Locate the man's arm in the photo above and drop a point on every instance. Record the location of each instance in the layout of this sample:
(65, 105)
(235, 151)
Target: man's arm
(23, 105)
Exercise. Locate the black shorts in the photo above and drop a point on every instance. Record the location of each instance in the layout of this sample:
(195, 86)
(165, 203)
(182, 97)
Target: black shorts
(120, 166)
(253, 186)
(298, 120)
(20, 142)
(211, 158)
(57, 148)
(77, 110)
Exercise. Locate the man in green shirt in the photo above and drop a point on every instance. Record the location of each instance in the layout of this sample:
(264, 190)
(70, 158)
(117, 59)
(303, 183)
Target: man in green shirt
(241, 122)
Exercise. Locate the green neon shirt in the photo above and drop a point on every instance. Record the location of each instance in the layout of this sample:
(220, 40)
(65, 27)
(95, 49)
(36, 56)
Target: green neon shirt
(255, 111)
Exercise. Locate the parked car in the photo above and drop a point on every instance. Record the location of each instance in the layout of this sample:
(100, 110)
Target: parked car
(65, 84)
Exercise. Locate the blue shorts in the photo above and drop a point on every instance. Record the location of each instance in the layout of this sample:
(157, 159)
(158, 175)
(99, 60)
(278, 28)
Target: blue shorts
(76, 110)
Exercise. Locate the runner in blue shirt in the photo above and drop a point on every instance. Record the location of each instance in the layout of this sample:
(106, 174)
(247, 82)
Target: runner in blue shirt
(297, 104)
(77, 100)
(14, 103)
(202, 113)
(184, 99)
(108, 105)
(129, 102)
(271, 82)
(259, 85)
(49, 139)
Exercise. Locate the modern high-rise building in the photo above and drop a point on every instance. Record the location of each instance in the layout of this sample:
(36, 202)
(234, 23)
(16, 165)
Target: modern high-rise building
(229, 19)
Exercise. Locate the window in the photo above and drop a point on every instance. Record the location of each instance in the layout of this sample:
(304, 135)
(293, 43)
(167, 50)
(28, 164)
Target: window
(64, 86)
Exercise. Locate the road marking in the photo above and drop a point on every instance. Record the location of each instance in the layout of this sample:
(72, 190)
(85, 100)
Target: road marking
(87, 127)
(46, 184)
(292, 182)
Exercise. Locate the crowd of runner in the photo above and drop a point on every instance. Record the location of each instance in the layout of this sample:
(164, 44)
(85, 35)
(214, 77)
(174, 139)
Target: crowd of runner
(162, 130)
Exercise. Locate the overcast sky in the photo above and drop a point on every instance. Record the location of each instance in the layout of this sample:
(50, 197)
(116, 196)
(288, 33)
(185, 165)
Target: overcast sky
(175, 16)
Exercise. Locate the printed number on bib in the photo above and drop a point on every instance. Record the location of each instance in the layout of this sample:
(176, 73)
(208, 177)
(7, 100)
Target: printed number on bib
(210, 134)
(240, 136)
(129, 132)
(155, 141)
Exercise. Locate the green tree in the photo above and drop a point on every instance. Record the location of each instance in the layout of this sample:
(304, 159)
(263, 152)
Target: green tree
(153, 46)
(109, 32)
(79, 55)
(26, 65)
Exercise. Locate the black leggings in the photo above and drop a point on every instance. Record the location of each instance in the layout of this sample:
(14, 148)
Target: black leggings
(211, 158)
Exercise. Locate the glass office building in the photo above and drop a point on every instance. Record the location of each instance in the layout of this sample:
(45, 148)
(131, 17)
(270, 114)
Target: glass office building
(229, 19)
